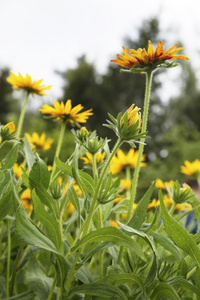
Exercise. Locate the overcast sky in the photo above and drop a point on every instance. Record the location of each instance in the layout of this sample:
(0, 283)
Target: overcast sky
(40, 36)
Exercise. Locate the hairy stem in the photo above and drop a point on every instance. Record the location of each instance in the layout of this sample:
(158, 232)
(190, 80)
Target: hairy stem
(141, 147)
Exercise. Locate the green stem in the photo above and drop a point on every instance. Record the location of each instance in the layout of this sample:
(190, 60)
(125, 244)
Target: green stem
(141, 147)
(71, 273)
(14, 270)
(8, 258)
(21, 118)
(60, 140)
(52, 288)
(86, 225)
(93, 204)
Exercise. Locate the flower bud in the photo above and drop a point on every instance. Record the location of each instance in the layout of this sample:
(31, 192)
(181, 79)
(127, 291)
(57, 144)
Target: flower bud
(133, 117)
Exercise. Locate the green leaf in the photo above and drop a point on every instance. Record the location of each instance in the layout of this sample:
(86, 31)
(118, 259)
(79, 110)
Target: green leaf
(104, 290)
(163, 291)
(196, 207)
(153, 271)
(10, 158)
(72, 196)
(48, 221)
(113, 235)
(167, 244)
(38, 282)
(29, 233)
(2, 176)
(23, 296)
(28, 153)
(40, 173)
(6, 204)
(86, 178)
(178, 234)
(118, 279)
(140, 212)
(184, 284)
(84, 275)
(5, 147)
(43, 195)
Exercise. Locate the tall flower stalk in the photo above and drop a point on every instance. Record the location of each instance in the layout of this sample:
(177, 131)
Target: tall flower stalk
(21, 118)
(141, 147)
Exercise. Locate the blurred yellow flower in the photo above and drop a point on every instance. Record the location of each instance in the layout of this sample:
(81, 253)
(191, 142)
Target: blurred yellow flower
(162, 185)
(65, 112)
(183, 206)
(191, 168)
(70, 208)
(154, 203)
(125, 184)
(140, 57)
(17, 169)
(133, 117)
(75, 185)
(120, 161)
(25, 83)
(168, 201)
(99, 158)
(9, 126)
(118, 199)
(113, 223)
(26, 199)
(38, 142)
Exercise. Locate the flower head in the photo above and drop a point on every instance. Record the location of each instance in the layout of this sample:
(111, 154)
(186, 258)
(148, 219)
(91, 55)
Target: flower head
(38, 142)
(191, 168)
(26, 84)
(98, 156)
(65, 112)
(8, 131)
(142, 58)
(133, 117)
(120, 161)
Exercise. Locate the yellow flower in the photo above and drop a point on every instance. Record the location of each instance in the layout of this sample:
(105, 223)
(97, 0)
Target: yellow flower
(25, 83)
(10, 126)
(70, 208)
(168, 201)
(162, 185)
(17, 169)
(120, 161)
(141, 58)
(154, 203)
(99, 158)
(191, 168)
(26, 199)
(133, 117)
(113, 223)
(65, 112)
(76, 188)
(118, 199)
(38, 142)
(183, 206)
(125, 184)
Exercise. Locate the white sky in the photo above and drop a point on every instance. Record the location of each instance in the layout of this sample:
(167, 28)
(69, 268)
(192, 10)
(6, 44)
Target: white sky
(40, 36)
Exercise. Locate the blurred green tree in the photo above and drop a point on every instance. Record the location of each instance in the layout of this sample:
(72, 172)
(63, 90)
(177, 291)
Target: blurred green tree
(8, 103)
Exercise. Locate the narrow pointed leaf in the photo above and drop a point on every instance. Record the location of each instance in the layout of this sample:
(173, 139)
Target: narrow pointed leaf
(6, 204)
(140, 212)
(113, 235)
(178, 234)
(10, 158)
(86, 178)
(163, 291)
(48, 221)
(28, 153)
(103, 290)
